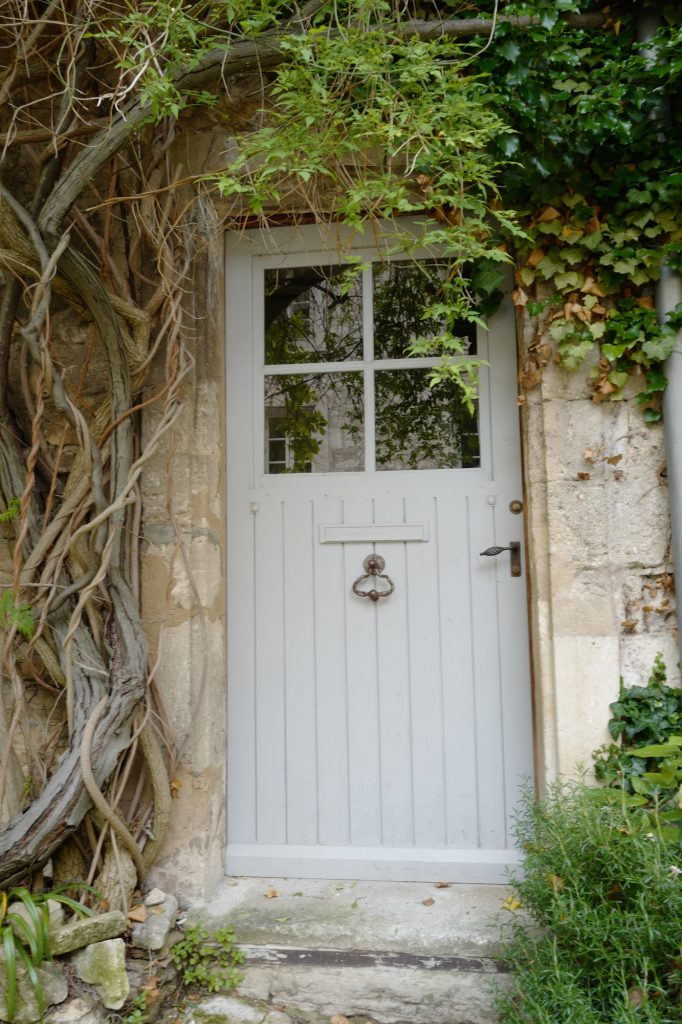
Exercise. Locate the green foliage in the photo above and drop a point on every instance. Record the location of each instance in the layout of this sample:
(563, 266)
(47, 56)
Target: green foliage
(13, 615)
(606, 900)
(597, 151)
(373, 125)
(17, 616)
(645, 766)
(647, 714)
(208, 959)
(138, 1011)
(26, 936)
(11, 512)
(362, 121)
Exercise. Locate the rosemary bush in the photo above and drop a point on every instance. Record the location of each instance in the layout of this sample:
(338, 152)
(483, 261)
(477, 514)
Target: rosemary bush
(605, 893)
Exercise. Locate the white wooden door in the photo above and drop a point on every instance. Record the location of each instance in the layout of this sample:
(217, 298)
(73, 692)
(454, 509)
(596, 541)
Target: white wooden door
(367, 739)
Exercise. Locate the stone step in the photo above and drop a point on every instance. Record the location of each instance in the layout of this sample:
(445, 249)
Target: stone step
(377, 952)
(379, 986)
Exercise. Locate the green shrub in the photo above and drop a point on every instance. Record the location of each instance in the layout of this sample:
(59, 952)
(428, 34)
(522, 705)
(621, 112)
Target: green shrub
(606, 897)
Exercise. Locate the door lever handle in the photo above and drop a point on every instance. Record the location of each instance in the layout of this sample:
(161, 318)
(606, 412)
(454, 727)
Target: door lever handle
(514, 547)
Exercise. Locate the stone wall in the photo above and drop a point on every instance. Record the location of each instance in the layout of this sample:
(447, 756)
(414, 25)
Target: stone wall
(601, 586)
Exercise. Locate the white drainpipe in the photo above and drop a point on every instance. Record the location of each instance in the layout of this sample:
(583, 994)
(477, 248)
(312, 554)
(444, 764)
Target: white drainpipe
(668, 294)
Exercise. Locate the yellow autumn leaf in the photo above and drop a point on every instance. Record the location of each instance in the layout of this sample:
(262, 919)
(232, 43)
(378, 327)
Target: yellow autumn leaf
(549, 213)
(511, 903)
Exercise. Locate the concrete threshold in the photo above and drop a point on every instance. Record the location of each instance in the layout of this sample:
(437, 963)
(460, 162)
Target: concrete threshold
(384, 952)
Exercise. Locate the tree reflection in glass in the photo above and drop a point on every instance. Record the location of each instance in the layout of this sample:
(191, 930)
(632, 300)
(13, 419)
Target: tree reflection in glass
(314, 423)
(409, 298)
(312, 315)
(419, 427)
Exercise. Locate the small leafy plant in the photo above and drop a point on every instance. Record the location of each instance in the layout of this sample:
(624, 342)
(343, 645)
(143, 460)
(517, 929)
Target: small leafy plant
(208, 959)
(138, 1011)
(645, 766)
(25, 936)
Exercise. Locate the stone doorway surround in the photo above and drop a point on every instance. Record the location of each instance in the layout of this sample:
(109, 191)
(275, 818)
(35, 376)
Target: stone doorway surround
(598, 543)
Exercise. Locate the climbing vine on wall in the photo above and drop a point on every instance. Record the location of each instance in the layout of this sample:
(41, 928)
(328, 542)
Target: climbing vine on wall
(597, 177)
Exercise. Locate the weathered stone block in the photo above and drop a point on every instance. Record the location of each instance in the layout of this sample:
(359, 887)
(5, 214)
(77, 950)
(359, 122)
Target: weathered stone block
(52, 981)
(55, 911)
(77, 1011)
(225, 1010)
(103, 964)
(88, 930)
(153, 932)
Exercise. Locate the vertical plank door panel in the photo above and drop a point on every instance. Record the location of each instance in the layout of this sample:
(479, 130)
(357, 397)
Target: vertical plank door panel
(300, 692)
(426, 679)
(271, 758)
(395, 726)
(459, 698)
(486, 647)
(364, 740)
(333, 810)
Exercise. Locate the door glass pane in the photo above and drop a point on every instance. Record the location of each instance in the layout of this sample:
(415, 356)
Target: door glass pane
(312, 314)
(403, 289)
(418, 427)
(314, 423)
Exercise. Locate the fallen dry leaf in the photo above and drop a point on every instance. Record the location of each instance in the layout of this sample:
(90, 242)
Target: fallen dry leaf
(442, 885)
(584, 476)
(519, 297)
(636, 996)
(549, 213)
(338, 1018)
(613, 460)
(138, 913)
(270, 894)
(511, 903)
(429, 901)
(556, 882)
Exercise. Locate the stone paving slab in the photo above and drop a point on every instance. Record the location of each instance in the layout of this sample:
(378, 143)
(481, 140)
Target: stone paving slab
(462, 920)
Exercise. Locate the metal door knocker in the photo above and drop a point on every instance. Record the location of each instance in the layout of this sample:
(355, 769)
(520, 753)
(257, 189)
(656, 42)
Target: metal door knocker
(373, 566)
